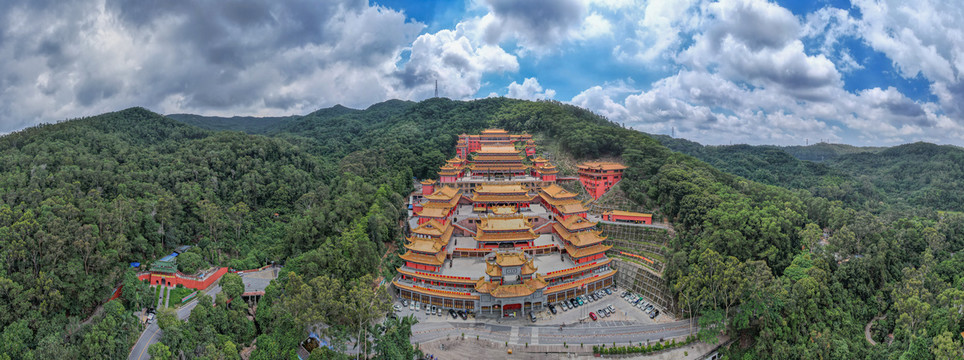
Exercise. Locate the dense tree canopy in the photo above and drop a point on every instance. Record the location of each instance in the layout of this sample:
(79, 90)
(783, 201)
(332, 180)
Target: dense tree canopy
(323, 194)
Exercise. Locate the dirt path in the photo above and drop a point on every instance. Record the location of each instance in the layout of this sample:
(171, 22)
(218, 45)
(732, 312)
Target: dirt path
(870, 339)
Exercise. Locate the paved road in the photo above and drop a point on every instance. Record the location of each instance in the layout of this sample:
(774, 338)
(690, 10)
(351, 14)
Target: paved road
(603, 332)
(153, 333)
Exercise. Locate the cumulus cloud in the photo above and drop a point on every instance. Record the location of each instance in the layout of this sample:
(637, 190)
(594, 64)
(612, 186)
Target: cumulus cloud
(741, 70)
(926, 38)
(530, 90)
(605, 99)
(537, 24)
(757, 42)
(452, 58)
(658, 27)
(748, 77)
(252, 57)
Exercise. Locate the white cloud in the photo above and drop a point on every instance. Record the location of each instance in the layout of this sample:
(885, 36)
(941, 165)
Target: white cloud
(455, 59)
(64, 60)
(600, 99)
(924, 38)
(529, 90)
(747, 77)
(538, 25)
(658, 28)
(595, 25)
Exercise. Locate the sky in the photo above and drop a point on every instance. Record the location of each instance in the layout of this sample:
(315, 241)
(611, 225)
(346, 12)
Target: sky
(861, 72)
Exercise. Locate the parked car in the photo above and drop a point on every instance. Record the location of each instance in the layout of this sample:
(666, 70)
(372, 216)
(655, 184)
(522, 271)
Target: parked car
(563, 306)
(462, 315)
(649, 309)
(404, 302)
(609, 292)
(532, 316)
(418, 306)
(654, 314)
(592, 315)
(439, 312)
(552, 309)
(396, 307)
(453, 314)
(612, 308)
(411, 306)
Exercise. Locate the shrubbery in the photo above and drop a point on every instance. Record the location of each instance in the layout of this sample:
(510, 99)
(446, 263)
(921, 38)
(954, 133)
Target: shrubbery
(640, 349)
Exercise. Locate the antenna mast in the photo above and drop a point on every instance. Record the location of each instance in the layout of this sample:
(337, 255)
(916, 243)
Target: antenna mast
(436, 87)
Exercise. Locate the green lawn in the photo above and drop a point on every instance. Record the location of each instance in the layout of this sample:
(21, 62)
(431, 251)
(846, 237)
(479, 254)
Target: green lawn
(177, 294)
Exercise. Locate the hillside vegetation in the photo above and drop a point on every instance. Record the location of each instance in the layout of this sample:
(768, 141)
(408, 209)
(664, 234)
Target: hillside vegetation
(913, 178)
(133, 184)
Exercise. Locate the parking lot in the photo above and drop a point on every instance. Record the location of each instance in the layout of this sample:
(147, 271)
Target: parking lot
(625, 314)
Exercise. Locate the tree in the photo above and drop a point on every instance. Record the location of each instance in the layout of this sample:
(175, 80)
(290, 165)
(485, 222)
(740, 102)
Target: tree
(136, 293)
(911, 301)
(319, 302)
(810, 236)
(190, 262)
(232, 285)
(239, 215)
(212, 216)
(167, 318)
(393, 343)
(946, 348)
(160, 351)
(367, 301)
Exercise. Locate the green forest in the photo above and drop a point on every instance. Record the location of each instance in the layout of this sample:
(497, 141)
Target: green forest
(81, 199)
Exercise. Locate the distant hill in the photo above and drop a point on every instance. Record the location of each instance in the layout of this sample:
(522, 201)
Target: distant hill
(768, 164)
(825, 151)
(920, 175)
(248, 124)
(273, 124)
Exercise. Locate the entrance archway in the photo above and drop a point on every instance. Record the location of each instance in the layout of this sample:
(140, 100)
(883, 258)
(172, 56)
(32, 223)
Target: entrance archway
(508, 309)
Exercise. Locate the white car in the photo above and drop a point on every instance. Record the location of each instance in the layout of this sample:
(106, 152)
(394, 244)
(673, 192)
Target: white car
(418, 306)
(411, 306)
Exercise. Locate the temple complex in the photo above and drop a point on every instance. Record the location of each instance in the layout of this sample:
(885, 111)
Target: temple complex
(496, 235)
